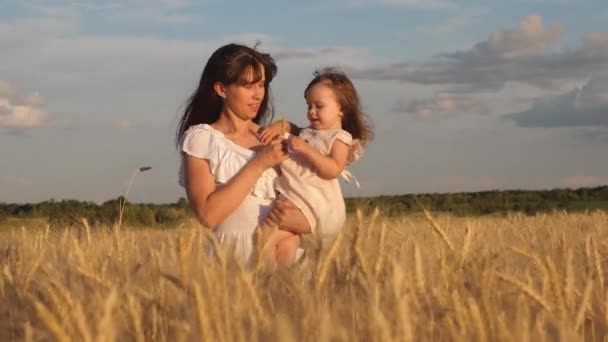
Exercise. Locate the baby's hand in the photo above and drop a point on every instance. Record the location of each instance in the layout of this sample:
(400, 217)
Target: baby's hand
(297, 144)
(273, 131)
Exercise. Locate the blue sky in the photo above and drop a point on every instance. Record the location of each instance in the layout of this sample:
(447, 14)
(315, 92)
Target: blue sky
(465, 95)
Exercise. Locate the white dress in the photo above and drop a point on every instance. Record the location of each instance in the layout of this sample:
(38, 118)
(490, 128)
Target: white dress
(225, 160)
(320, 200)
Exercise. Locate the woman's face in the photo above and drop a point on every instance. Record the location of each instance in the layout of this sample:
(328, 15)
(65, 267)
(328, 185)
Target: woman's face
(245, 97)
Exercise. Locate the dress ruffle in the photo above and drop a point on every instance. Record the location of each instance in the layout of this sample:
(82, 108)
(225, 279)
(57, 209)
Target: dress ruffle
(204, 142)
(331, 135)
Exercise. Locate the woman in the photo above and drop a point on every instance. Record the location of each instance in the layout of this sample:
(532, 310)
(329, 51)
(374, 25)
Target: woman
(228, 173)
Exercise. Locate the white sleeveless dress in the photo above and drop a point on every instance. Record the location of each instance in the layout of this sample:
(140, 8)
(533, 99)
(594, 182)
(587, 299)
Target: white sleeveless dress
(320, 200)
(226, 159)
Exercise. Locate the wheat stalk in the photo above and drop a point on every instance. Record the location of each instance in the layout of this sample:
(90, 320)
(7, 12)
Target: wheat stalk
(526, 290)
(466, 245)
(85, 223)
(569, 281)
(323, 265)
(390, 280)
(254, 298)
(584, 302)
(59, 296)
(606, 307)
(438, 230)
(460, 313)
(381, 252)
(135, 313)
(81, 323)
(204, 326)
(477, 320)
(28, 334)
(420, 280)
(105, 326)
(537, 260)
(556, 289)
(503, 330)
(598, 263)
(95, 278)
(33, 269)
(51, 323)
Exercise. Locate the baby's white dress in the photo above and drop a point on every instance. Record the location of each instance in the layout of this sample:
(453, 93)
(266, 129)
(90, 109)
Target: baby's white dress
(226, 159)
(320, 200)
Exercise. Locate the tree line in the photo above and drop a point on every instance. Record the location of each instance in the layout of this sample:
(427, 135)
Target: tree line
(490, 202)
(69, 212)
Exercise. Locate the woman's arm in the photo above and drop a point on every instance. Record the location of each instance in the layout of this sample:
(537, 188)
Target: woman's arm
(213, 204)
(288, 217)
(327, 167)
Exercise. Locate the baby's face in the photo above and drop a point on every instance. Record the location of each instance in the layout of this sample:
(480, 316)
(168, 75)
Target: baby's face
(324, 111)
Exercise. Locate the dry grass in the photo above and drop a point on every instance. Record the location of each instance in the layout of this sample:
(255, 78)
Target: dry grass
(406, 279)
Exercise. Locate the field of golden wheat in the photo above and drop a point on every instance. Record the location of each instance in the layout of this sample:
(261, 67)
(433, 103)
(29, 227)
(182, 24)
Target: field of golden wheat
(413, 278)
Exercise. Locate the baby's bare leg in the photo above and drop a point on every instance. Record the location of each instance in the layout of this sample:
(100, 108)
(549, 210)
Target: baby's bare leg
(271, 236)
(286, 250)
(280, 244)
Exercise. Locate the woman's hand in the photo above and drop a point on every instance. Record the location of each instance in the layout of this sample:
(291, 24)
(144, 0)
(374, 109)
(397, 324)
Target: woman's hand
(288, 217)
(272, 154)
(273, 131)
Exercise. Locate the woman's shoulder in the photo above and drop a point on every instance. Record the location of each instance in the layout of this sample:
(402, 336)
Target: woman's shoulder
(201, 140)
(201, 130)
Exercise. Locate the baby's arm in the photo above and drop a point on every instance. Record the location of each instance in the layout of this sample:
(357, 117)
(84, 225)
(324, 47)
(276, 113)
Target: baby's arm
(327, 167)
(278, 129)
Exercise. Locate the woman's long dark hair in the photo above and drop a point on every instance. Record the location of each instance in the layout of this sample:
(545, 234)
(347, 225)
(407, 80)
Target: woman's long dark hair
(227, 65)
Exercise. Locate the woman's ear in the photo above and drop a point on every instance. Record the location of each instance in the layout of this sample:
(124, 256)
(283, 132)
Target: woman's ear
(220, 90)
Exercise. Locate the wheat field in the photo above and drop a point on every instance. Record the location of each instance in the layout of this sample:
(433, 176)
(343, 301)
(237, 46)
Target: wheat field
(413, 278)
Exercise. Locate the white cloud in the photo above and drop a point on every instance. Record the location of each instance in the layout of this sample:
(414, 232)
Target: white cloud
(521, 54)
(582, 106)
(124, 124)
(593, 96)
(594, 134)
(441, 103)
(7, 89)
(529, 36)
(34, 100)
(20, 116)
(286, 54)
(250, 39)
(595, 45)
(57, 9)
(460, 20)
(56, 47)
(122, 69)
(324, 56)
(20, 112)
(36, 30)
(553, 2)
(78, 60)
(421, 4)
(582, 181)
(135, 11)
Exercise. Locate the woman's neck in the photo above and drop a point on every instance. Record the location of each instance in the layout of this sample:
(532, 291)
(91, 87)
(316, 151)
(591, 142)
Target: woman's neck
(232, 125)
